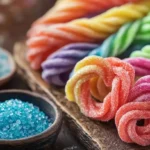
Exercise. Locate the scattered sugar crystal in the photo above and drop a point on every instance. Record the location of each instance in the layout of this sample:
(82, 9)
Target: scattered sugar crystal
(20, 119)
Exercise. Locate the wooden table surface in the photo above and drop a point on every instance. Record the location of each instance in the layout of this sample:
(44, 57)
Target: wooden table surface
(12, 31)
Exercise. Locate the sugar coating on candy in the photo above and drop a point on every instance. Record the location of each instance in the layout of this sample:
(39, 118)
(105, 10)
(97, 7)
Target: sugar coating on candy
(99, 92)
(67, 10)
(20, 119)
(82, 30)
(5, 68)
(138, 109)
(117, 77)
(56, 67)
(127, 35)
(141, 88)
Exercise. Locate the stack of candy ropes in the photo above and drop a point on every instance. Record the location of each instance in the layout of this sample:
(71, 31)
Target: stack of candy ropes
(100, 51)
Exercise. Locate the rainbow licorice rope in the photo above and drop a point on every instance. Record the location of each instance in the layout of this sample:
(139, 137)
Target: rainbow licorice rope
(138, 109)
(57, 67)
(67, 10)
(82, 30)
(112, 80)
(128, 34)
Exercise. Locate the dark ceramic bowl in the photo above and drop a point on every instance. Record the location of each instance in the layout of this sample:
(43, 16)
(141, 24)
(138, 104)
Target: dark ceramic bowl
(40, 141)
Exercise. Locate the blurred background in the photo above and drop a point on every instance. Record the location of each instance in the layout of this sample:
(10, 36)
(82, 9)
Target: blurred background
(16, 17)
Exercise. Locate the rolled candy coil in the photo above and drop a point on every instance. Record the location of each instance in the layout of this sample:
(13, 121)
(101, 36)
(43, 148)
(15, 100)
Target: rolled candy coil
(115, 74)
(67, 10)
(56, 67)
(129, 114)
(82, 30)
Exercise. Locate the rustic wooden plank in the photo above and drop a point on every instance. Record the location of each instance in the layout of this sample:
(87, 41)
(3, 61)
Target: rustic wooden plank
(95, 135)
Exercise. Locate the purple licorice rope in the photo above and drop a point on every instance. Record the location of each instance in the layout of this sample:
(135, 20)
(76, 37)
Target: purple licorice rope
(141, 65)
(56, 67)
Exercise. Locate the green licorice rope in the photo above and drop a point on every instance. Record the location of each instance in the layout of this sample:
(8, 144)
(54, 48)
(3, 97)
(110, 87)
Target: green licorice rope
(144, 52)
(118, 43)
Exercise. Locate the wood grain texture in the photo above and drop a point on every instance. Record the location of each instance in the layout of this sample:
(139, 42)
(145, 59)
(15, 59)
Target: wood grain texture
(95, 135)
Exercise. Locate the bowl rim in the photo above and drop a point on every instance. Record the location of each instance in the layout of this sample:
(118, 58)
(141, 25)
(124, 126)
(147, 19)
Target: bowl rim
(49, 131)
(13, 65)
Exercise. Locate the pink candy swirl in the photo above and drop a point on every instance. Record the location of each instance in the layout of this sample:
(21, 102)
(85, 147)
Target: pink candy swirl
(129, 114)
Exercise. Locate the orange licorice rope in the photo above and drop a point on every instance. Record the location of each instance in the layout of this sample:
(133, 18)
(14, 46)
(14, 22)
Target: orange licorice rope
(82, 30)
(67, 10)
(114, 78)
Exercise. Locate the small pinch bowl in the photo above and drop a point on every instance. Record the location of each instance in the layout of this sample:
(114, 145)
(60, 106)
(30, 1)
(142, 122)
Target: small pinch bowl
(12, 64)
(41, 141)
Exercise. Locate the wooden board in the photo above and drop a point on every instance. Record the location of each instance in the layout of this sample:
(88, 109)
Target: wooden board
(95, 135)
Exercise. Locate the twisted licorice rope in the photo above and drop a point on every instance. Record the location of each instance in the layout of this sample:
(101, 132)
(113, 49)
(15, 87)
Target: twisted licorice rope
(67, 10)
(138, 109)
(82, 30)
(128, 34)
(58, 65)
(115, 74)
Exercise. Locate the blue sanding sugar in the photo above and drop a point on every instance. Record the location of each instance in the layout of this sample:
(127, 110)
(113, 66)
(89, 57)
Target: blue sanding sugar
(20, 119)
(4, 64)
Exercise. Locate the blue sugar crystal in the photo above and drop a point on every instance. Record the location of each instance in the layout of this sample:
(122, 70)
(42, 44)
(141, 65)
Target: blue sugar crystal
(4, 64)
(20, 119)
